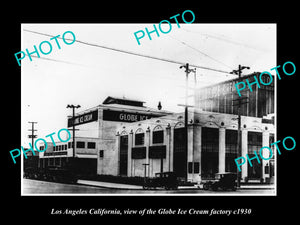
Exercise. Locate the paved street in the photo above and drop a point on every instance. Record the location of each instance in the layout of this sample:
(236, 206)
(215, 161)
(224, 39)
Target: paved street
(44, 187)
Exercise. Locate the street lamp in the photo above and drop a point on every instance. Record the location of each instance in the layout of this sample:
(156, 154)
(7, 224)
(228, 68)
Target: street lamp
(73, 123)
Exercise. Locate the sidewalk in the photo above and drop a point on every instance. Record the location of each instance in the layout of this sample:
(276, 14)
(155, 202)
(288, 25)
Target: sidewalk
(257, 186)
(137, 187)
(110, 185)
(121, 186)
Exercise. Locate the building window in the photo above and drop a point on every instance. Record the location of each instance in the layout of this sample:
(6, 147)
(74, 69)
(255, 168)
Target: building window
(228, 103)
(80, 144)
(101, 153)
(254, 142)
(157, 152)
(272, 140)
(59, 147)
(210, 139)
(138, 153)
(123, 155)
(66, 146)
(158, 137)
(209, 155)
(196, 167)
(91, 145)
(231, 141)
(54, 148)
(42, 148)
(139, 139)
(231, 150)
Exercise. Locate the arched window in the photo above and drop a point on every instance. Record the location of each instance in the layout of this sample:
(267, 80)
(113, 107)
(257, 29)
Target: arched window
(123, 133)
(158, 135)
(139, 137)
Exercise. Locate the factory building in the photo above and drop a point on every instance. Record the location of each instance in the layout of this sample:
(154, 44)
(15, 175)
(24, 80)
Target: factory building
(95, 137)
(122, 137)
(158, 144)
(222, 97)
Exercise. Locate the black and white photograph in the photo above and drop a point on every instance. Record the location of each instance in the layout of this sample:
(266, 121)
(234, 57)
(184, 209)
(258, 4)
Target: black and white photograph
(144, 111)
(153, 114)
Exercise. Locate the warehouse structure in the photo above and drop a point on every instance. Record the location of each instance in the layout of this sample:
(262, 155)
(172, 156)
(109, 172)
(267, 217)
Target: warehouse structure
(158, 145)
(122, 137)
(95, 149)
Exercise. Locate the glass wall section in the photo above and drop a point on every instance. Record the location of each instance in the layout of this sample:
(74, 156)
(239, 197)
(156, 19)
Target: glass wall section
(123, 155)
(180, 153)
(210, 152)
(230, 150)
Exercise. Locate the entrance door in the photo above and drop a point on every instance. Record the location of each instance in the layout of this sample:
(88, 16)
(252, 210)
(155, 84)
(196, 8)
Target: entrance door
(254, 145)
(254, 171)
(180, 154)
(123, 155)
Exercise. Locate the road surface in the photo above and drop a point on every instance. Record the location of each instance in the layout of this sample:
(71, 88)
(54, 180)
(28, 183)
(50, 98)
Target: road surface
(37, 187)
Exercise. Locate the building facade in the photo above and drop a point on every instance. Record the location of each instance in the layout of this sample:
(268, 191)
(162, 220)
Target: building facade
(122, 137)
(222, 97)
(158, 145)
(95, 137)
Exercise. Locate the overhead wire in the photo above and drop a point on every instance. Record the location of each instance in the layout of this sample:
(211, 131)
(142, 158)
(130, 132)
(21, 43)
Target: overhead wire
(202, 53)
(133, 53)
(56, 60)
(225, 40)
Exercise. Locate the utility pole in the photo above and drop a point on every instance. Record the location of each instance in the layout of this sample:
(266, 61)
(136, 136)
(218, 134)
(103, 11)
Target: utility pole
(32, 136)
(187, 71)
(73, 124)
(239, 73)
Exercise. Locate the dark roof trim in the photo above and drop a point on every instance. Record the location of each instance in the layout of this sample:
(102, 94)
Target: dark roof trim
(122, 101)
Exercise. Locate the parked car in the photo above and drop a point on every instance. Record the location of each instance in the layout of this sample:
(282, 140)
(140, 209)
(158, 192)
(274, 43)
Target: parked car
(223, 181)
(167, 180)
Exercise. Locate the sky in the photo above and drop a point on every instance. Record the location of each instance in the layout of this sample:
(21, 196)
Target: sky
(85, 74)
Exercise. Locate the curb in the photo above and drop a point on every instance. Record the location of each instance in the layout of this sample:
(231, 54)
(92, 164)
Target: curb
(106, 185)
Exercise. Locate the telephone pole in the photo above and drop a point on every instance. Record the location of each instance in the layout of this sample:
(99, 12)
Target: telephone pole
(239, 73)
(187, 71)
(32, 136)
(73, 124)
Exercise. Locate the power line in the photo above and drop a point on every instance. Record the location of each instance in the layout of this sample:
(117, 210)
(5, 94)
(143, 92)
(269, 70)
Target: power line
(133, 53)
(197, 50)
(226, 40)
(56, 60)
